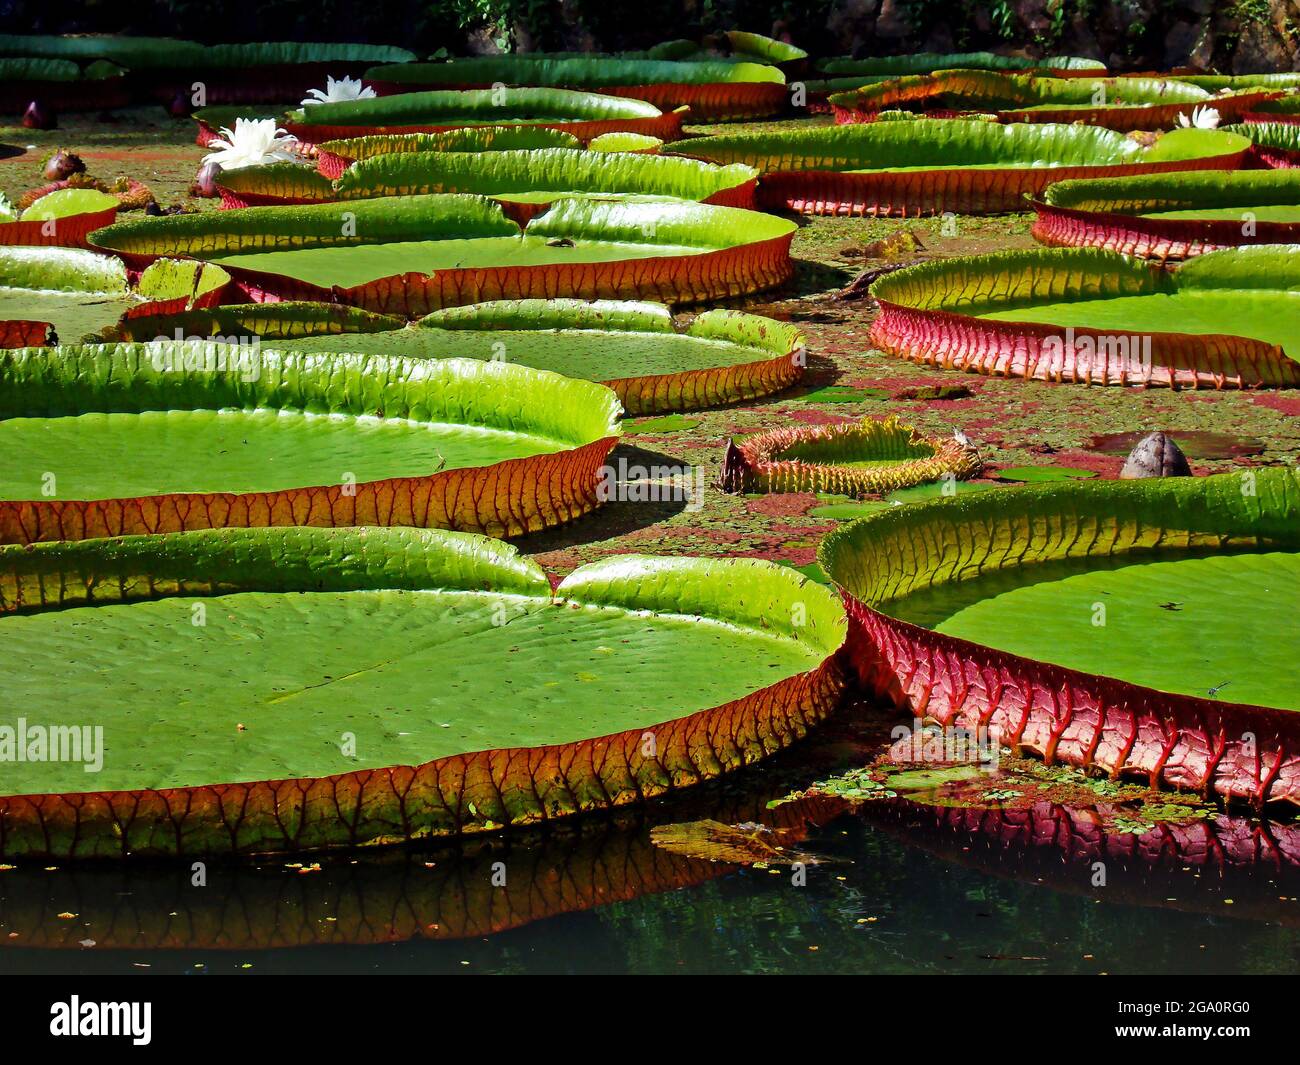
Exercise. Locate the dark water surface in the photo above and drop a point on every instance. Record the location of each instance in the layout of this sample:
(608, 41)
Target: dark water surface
(899, 888)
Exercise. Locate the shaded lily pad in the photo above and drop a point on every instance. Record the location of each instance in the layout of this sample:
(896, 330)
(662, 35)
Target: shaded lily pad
(583, 114)
(937, 165)
(712, 89)
(1127, 103)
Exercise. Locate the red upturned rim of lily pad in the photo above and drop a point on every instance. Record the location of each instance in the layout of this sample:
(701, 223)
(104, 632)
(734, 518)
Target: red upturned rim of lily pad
(918, 322)
(509, 497)
(707, 102)
(1123, 119)
(461, 794)
(1234, 750)
(922, 193)
(69, 232)
(724, 270)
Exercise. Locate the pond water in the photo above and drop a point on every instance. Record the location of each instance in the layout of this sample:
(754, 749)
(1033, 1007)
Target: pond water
(899, 887)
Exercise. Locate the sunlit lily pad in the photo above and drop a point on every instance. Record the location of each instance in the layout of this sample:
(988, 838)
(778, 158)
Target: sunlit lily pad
(937, 165)
(79, 293)
(551, 704)
(414, 254)
(1227, 319)
(104, 440)
(1085, 622)
(1172, 216)
(633, 348)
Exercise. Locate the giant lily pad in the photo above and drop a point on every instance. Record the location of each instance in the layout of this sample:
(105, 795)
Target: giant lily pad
(525, 181)
(1227, 319)
(230, 73)
(713, 90)
(583, 114)
(845, 74)
(333, 157)
(78, 293)
(967, 167)
(1129, 103)
(60, 84)
(1275, 145)
(61, 219)
(168, 53)
(548, 706)
(105, 440)
(1137, 626)
(929, 62)
(1219, 82)
(274, 184)
(414, 254)
(872, 457)
(633, 348)
(1172, 216)
(1280, 109)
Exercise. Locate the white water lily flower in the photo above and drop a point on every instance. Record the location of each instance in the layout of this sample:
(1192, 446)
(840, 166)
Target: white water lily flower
(339, 91)
(253, 142)
(1202, 118)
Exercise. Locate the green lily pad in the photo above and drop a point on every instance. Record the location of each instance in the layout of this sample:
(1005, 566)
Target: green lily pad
(371, 614)
(842, 394)
(635, 348)
(1177, 606)
(64, 203)
(1043, 473)
(939, 490)
(287, 439)
(414, 254)
(845, 511)
(81, 293)
(671, 423)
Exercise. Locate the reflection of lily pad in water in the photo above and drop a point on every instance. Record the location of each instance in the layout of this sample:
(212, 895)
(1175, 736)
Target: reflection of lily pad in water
(1195, 443)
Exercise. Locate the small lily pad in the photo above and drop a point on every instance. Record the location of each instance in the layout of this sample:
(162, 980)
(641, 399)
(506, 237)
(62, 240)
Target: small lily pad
(671, 423)
(843, 394)
(930, 491)
(1043, 473)
(812, 571)
(846, 511)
